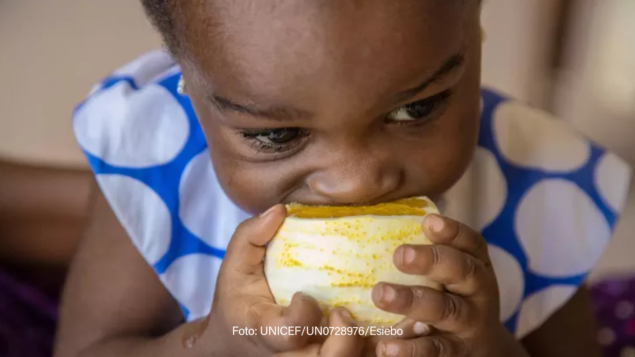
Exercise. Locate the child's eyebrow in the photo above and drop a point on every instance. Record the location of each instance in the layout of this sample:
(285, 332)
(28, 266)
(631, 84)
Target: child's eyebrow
(273, 113)
(450, 65)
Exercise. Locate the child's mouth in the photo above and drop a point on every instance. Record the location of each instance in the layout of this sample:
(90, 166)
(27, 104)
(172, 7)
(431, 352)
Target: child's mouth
(404, 207)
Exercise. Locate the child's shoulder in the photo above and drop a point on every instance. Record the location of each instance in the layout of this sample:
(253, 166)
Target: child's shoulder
(533, 151)
(546, 199)
(134, 117)
(147, 151)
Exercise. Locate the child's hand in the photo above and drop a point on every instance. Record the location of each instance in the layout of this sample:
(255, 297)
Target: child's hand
(466, 315)
(337, 345)
(243, 299)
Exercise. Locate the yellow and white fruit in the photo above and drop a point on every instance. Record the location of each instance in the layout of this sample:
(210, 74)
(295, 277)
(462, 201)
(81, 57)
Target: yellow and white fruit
(337, 254)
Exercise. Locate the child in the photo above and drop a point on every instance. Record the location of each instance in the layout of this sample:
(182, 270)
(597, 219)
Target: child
(329, 102)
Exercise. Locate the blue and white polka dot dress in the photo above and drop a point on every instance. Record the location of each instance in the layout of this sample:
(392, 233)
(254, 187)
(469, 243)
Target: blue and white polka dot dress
(545, 198)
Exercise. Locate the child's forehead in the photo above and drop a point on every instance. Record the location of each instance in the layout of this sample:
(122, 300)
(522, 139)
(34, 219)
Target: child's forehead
(277, 45)
(275, 7)
(228, 23)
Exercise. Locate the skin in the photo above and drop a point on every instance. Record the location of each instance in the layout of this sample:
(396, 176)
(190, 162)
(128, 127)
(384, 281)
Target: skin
(333, 72)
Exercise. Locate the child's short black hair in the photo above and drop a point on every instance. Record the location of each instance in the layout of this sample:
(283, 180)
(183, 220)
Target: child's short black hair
(161, 14)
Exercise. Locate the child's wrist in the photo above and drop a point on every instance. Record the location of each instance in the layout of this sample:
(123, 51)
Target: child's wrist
(512, 346)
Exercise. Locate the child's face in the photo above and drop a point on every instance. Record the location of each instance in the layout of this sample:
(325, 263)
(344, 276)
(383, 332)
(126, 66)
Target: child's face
(334, 102)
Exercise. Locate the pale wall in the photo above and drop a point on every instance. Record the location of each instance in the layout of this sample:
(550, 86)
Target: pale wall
(51, 53)
(597, 95)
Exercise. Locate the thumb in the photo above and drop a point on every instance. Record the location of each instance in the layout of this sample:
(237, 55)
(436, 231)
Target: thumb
(247, 248)
(348, 342)
(344, 342)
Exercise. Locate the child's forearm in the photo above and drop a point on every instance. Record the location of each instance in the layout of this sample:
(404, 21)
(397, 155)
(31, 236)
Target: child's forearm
(174, 343)
(514, 348)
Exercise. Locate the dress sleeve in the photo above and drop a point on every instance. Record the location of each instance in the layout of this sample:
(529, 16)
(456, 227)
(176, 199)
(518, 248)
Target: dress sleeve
(546, 199)
(150, 158)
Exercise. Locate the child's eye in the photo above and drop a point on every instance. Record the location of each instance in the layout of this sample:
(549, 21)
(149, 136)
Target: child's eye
(274, 140)
(273, 136)
(418, 110)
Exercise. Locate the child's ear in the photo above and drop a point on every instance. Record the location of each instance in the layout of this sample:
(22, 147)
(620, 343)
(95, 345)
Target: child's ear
(181, 89)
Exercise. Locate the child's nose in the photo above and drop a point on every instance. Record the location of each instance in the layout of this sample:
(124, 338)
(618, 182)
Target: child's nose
(355, 182)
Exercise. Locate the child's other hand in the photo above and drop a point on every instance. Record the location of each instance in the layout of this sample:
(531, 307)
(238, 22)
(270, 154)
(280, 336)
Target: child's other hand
(243, 299)
(465, 317)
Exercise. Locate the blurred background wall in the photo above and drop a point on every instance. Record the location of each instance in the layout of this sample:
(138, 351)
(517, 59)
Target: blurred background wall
(575, 58)
(52, 54)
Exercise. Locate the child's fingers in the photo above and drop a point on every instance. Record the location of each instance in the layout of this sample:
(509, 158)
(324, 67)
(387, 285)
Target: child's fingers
(243, 294)
(446, 231)
(302, 311)
(412, 329)
(338, 344)
(459, 272)
(345, 343)
(444, 311)
(431, 346)
(246, 250)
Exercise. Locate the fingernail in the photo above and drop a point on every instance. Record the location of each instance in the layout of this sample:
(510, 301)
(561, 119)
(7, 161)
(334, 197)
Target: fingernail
(407, 255)
(268, 211)
(388, 294)
(390, 349)
(346, 314)
(421, 329)
(435, 223)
